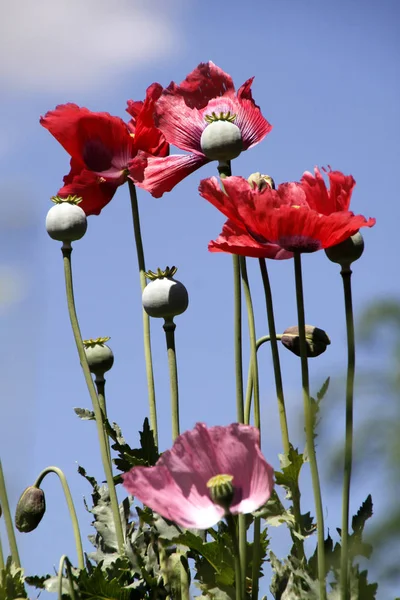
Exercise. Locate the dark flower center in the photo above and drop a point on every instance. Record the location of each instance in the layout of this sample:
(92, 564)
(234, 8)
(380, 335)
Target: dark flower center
(96, 156)
(298, 243)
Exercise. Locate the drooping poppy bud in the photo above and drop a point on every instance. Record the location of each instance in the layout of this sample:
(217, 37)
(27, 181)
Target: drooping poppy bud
(164, 297)
(316, 340)
(99, 356)
(30, 509)
(346, 252)
(66, 221)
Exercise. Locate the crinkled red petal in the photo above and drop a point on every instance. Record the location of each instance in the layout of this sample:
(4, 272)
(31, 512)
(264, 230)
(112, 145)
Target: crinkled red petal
(160, 175)
(94, 191)
(147, 136)
(235, 240)
(86, 135)
(207, 81)
(325, 201)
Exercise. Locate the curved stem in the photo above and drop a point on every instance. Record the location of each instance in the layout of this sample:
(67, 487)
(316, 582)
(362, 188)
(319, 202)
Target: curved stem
(71, 508)
(2, 565)
(66, 250)
(249, 388)
(101, 394)
(348, 452)
(309, 425)
(12, 542)
(65, 560)
(253, 342)
(239, 584)
(146, 318)
(275, 356)
(169, 328)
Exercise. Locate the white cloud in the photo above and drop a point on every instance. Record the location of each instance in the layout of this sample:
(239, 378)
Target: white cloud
(51, 45)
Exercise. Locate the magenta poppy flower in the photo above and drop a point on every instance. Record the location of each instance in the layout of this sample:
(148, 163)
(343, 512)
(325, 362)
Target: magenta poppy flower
(180, 486)
(302, 216)
(207, 118)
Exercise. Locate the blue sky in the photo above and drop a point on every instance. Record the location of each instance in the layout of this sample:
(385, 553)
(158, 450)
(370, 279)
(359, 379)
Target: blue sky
(326, 77)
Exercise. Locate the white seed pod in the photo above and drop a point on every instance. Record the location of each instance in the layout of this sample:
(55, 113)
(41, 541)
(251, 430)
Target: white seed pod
(100, 357)
(66, 222)
(221, 140)
(165, 297)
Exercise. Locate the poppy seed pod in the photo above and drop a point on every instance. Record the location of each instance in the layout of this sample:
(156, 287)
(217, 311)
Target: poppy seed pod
(164, 297)
(348, 251)
(66, 221)
(259, 181)
(316, 340)
(99, 356)
(221, 139)
(30, 509)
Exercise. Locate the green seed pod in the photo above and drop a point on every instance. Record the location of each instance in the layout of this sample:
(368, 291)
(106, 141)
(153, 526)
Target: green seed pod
(66, 221)
(99, 356)
(346, 252)
(164, 297)
(221, 490)
(30, 509)
(316, 340)
(259, 181)
(221, 139)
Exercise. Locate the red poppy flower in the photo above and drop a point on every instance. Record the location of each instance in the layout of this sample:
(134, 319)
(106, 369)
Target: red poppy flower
(207, 118)
(302, 217)
(235, 240)
(101, 147)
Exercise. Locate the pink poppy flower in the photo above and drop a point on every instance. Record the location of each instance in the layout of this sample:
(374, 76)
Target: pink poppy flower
(207, 118)
(180, 486)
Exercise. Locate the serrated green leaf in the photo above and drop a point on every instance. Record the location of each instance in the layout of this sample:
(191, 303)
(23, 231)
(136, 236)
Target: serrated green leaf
(323, 389)
(85, 414)
(12, 581)
(363, 514)
(291, 465)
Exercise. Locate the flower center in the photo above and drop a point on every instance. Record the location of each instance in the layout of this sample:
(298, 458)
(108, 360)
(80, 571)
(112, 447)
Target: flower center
(221, 140)
(221, 117)
(221, 490)
(96, 156)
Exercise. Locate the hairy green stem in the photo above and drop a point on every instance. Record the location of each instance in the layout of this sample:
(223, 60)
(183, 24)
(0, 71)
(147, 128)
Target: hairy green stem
(309, 425)
(348, 452)
(101, 394)
(12, 542)
(71, 508)
(257, 420)
(65, 560)
(239, 584)
(169, 328)
(249, 388)
(275, 356)
(66, 250)
(225, 170)
(146, 318)
(2, 564)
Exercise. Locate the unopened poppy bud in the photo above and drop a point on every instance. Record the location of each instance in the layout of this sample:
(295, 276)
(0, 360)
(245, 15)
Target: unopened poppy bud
(30, 509)
(221, 490)
(316, 340)
(221, 139)
(66, 221)
(259, 181)
(348, 251)
(164, 297)
(99, 356)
